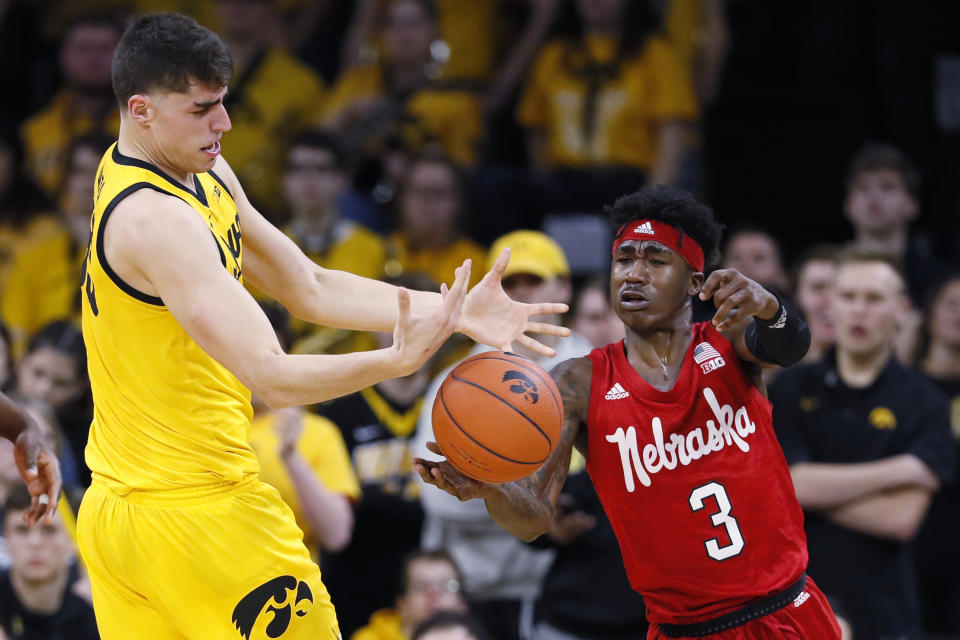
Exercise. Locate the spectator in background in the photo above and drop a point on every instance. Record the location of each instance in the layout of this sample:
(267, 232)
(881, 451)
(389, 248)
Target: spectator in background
(503, 574)
(432, 207)
(54, 371)
(39, 593)
(302, 455)
(85, 104)
(403, 91)
(606, 106)
(272, 98)
(814, 275)
(868, 443)
(756, 254)
(936, 544)
(450, 625)
(592, 316)
(883, 198)
(431, 582)
(377, 425)
(44, 277)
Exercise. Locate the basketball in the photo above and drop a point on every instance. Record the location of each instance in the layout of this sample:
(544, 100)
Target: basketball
(497, 416)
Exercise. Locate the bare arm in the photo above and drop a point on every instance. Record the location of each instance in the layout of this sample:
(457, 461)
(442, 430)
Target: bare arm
(161, 246)
(669, 153)
(525, 508)
(895, 514)
(825, 485)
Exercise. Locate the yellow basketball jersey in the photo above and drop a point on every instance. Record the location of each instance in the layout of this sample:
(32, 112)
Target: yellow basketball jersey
(166, 414)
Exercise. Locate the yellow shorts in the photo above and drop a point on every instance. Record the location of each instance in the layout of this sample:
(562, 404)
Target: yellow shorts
(211, 563)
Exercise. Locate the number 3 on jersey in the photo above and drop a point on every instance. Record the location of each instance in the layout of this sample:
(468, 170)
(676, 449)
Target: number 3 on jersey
(722, 517)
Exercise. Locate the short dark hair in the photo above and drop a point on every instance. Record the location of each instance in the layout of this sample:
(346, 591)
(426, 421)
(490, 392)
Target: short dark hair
(875, 157)
(450, 620)
(816, 253)
(856, 254)
(675, 207)
(164, 52)
(323, 139)
(64, 337)
(431, 555)
(17, 500)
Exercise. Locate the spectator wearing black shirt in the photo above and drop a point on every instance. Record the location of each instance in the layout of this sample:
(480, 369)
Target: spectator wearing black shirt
(40, 595)
(868, 443)
(936, 544)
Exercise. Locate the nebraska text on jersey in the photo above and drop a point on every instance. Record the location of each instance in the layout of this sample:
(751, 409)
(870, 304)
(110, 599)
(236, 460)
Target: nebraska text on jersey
(729, 428)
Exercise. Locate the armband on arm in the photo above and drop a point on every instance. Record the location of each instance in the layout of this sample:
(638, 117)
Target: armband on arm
(782, 340)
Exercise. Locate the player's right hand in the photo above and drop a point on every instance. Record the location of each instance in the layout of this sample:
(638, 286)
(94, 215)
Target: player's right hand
(444, 475)
(40, 471)
(417, 337)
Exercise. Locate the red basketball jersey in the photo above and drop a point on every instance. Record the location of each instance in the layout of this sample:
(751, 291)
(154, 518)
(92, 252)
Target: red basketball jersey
(694, 482)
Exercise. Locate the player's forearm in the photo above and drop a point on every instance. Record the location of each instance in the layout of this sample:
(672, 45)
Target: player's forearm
(13, 421)
(896, 514)
(348, 301)
(826, 485)
(328, 513)
(519, 511)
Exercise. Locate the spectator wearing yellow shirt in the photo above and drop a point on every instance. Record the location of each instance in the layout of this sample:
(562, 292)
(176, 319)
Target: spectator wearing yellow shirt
(431, 582)
(432, 207)
(404, 91)
(609, 96)
(272, 98)
(43, 283)
(304, 458)
(85, 104)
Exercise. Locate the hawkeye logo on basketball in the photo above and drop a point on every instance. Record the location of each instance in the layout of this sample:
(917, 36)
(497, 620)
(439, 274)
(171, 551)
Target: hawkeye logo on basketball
(522, 385)
(730, 428)
(709, 359)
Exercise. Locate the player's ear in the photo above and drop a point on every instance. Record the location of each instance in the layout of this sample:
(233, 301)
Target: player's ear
(141, 108)
(696, 282)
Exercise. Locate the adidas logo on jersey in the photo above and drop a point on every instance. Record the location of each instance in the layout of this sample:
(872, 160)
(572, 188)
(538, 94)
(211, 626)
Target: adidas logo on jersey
(616, 393)
(646, 228)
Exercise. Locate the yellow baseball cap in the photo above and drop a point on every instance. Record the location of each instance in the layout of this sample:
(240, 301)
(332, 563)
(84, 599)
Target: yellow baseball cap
(532, 252)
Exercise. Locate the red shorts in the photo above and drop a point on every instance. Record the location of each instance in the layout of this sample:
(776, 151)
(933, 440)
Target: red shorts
(809, 617)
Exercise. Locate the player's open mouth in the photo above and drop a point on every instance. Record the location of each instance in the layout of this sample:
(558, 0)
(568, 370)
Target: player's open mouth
(633, 300)
(213, 149)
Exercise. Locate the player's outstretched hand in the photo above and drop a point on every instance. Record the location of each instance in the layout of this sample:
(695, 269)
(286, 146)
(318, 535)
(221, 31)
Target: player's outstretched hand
(417, 337)
(40, 471)
(445, 476)
(491, 317)
(737, 298)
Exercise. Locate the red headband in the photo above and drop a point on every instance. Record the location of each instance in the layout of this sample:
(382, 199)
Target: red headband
(665, 234)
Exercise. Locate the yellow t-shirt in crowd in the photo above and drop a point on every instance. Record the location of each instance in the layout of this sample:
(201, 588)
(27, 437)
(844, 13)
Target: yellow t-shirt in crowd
(269, 103)
(646, 90)
(469, 30)
(323, 448)
(43, 286)
(352, 248)
(14, 238)
(450, 115)
(166, 415)
(439, 264)
(47, 135)
(385, 624)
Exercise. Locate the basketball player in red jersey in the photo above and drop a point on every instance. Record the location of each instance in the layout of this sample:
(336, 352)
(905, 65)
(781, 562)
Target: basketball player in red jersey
(677, 433)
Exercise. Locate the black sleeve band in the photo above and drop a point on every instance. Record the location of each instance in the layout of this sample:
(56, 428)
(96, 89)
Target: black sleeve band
(782, 340)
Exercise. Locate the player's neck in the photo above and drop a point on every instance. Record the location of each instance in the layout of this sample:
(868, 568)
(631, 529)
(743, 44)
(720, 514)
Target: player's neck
(942, 360)
(657, 354)
(860, 370)
(40, 597)
(134, 146)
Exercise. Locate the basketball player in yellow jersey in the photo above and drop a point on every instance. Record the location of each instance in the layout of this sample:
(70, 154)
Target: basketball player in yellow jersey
(180, 539)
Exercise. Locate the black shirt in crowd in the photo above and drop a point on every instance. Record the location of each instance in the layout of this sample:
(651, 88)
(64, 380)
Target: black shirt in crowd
(818, 418)
(73, 621)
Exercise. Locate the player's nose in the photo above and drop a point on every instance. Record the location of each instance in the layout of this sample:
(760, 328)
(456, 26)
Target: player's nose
(222, 122)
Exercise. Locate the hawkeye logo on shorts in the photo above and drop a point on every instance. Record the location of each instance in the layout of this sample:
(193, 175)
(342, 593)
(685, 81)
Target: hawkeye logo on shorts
(524, 386)
(272, 597)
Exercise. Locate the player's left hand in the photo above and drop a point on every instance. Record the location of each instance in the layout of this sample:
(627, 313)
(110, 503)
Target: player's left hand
(491, 317)
(737, 298)
(445, 476)
(40, 470)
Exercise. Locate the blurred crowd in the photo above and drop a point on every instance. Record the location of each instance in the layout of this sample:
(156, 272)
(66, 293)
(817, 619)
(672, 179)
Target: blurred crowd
(396, 138)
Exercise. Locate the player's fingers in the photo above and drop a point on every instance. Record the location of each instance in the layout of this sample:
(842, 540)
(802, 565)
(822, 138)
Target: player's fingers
(443, 290)
(403, 306)
(458, 292)
(544, 308)
(496, 272)
(433, 447)
(714, 281)
(726, 312)
(729, 288)
(537, 346)
(423, 470)
(547, 328)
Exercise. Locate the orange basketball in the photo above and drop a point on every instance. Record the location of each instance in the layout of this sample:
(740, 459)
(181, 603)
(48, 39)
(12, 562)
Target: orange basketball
(497, 416)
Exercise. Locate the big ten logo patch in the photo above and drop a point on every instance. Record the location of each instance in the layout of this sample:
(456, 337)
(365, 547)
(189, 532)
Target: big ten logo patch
(270, 608)
(522, 385)
(882, 418)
